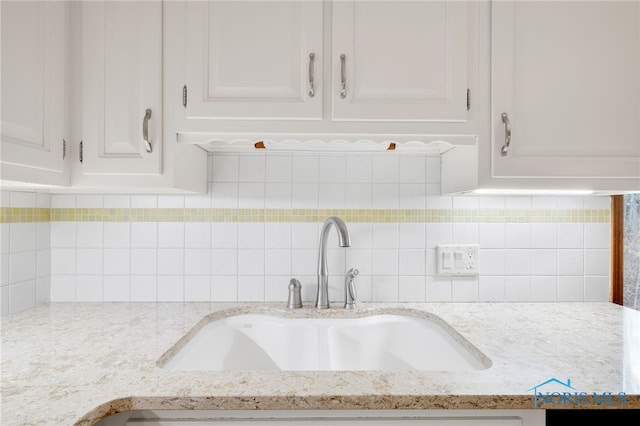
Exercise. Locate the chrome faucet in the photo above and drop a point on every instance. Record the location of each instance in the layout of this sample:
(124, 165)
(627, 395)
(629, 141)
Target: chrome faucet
(322, 299)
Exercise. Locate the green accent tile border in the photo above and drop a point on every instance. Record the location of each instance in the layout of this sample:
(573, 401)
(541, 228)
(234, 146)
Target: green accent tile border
(17, 215)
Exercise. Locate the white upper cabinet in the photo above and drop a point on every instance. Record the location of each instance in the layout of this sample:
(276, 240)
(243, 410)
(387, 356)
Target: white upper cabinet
(566, 77)
(400, 60)
(321, 70)
(34, 98)
(121, 89)
(254, 60)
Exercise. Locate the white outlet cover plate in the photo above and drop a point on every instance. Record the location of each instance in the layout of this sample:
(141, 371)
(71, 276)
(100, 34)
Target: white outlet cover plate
(457, 259)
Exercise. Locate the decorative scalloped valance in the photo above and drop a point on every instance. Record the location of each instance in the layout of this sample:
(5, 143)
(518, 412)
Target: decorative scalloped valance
(423, 144)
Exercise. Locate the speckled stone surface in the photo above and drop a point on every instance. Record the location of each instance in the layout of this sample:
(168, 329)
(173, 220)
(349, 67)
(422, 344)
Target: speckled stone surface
(76, 363)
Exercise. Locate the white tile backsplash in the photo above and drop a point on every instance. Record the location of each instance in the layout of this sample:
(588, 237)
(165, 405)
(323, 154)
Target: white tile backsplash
(517, 235)
(116, 288)
(544, 289)
(332, 195)
(224, 168)
(170, 235)
(43, 263)
(304, 195)
(385, 196)
(517, 289)
(171, 201)
(171, 261)
(411, 288)
(253, 261)
(332, 168)
(142, 288)
(22, 237)
(89, 234)
(251, 195)
(197, 262)
(22, 296)
(117, 201)
(250, 288)
(277, 195)
(63, 261)
(570, 235)
(197, 235)
(412, 169)
(438, 289)
(544, 235)
(251, 168)
(491, 289)
(596, 262)
(597, 235)
(278, 168)
(170, 288)
(90, 262)
(144, 261)
(116, 261)
(85, 201)
(63, 234)
(412, 196)
(570, 262)
(411, 262)
(22, 266)
(224, 195)
(197, 288)
(386, 169)
(464, 289)
(385, 288)
(359, 169)
(224, 288)
(251, 235)
(570, 289)
(144, 202)
(596, 289)
(277, 262)
(359, 195)
(89, 288)
(224, 261)
(143, 234)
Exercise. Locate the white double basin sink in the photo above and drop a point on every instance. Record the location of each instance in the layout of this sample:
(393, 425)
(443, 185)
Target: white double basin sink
(375, 342)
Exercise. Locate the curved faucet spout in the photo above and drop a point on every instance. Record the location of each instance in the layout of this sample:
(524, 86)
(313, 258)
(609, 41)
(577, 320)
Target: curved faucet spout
(322, 299)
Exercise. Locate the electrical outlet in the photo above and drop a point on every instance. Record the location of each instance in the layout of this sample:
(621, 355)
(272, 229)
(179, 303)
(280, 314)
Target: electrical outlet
(457, 259)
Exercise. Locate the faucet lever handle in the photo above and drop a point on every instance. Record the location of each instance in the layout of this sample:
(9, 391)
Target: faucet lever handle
(350, 296)
(295, 298)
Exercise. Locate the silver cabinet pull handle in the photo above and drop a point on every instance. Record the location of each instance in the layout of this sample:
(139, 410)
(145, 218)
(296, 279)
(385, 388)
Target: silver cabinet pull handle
(507, 134)
(145, 130)
(312, 91)
(343, 75)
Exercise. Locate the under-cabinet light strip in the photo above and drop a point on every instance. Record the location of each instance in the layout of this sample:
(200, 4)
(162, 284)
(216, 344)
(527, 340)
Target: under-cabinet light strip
(17, 215)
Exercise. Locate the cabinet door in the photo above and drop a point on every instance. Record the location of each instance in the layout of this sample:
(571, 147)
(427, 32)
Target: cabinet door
(33, 91)
(400, 60)
(122, 79)
(253, 59)
(567, 74)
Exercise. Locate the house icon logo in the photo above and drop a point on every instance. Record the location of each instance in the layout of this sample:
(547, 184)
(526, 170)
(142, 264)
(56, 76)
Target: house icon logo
(552, 382)
(556, 392)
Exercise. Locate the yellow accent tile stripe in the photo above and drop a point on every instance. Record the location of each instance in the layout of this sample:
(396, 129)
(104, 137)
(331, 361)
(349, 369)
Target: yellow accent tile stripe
(16, 215)
(318, 215)
(24, 214)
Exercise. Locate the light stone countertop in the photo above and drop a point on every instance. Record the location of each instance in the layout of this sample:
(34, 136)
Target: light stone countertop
(76, 363)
